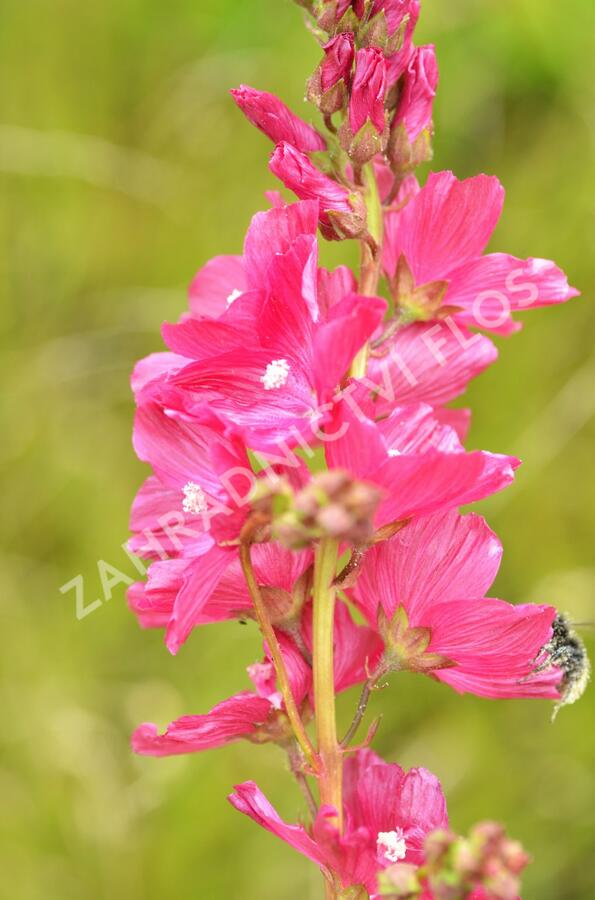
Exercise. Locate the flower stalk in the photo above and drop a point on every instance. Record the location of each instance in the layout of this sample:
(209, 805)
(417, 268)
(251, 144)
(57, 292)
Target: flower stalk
(268, 632)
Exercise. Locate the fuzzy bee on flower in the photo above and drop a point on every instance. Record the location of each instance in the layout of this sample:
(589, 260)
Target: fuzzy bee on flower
(566, 650)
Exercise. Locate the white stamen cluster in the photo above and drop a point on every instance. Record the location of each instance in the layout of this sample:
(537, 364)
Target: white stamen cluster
(195, 501)
(394, 452)
(276, 374)
(233, 296)
(392, 845)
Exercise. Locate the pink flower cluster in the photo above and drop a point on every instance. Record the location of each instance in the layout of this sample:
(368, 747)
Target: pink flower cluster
(297, 406)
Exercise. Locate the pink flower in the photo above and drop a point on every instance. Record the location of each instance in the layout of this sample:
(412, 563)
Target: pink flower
(387, 813)
(276, 120)
(442, 233)
(368, 91)
(269, 378)
(425, 588)
(415, 460)
(416, 101)
(339, 209)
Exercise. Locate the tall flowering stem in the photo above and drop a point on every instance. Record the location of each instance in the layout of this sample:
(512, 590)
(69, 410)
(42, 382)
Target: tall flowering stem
(276, 354)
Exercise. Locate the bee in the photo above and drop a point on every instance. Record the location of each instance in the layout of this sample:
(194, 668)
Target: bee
(566, 650)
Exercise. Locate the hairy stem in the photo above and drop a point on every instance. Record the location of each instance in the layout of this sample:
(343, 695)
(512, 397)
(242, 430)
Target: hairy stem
(331, 769)
(270, 637)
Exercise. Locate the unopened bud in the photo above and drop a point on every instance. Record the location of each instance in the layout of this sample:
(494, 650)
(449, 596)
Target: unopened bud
(332, 505)
(328, 87)
(342, 213)
(400, 881)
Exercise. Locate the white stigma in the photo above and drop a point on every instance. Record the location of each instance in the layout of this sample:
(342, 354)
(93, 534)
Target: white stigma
(233, 296)
(392, 845)
(276, 375)
(394, 452)
(195, 501)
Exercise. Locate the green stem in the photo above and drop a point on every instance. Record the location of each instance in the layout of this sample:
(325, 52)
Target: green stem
(329, 751)
(370, 258)
(270, 637)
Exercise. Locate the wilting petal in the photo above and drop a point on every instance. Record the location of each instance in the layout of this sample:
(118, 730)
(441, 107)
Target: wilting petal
(229, 721)
(249, 799)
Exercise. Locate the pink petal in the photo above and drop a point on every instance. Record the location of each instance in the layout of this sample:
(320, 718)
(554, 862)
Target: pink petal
(416, 429)
(494, 645)
(430, 364)
(179, 451)
(354, 443)
(249, 799)
(196, 339)
(212, 285)
(273, 232)
(351, 323)
(433, 560)
(334, 286)
(228, 721)
(200, 580)
(420, 485)
(447, 224)
(152, 367)
(491, 288)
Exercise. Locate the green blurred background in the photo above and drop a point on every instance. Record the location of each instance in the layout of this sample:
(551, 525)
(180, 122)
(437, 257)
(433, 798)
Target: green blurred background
(124, 165)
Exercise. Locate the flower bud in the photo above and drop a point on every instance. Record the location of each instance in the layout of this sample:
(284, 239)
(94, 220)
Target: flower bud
(364, 132)
(271, 116)
(333, 505)
(336, 15)
(342, 214)
(329, 85)
(416, 100)
(368, 91)
(400, 881)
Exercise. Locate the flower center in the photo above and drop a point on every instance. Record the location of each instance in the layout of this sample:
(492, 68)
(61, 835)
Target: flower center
(392, 845)
(276, 374)
(233, 296)
(394, 452)
(195, 501)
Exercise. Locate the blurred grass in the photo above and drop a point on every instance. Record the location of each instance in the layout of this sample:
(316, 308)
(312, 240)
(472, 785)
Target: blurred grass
(124, 166)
